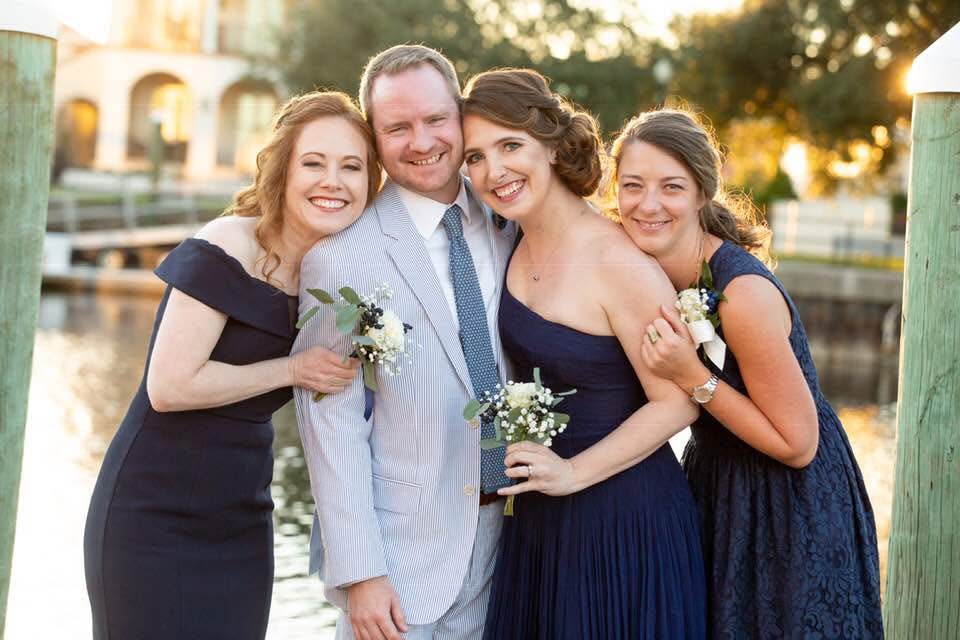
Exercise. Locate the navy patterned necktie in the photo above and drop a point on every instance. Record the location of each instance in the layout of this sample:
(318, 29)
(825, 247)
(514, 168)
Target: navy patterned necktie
(475, 340)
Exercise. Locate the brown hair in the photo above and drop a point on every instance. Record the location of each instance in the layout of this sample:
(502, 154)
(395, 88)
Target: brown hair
(521, 99)
(691, 141)
(265, 197)
(400, 58)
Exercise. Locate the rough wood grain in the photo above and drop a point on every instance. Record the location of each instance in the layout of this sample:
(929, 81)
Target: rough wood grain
(26, 136)
(923, 582)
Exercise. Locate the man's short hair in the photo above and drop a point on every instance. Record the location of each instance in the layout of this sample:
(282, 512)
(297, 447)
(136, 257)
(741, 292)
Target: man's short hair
(400, 58)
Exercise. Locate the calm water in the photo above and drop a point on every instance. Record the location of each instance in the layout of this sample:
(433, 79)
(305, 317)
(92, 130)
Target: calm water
(88, 361)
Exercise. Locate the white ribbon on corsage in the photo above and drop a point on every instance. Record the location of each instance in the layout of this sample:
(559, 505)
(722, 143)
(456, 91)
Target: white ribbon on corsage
(703, 333)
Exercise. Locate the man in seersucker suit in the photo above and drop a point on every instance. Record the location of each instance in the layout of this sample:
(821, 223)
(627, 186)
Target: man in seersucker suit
(408, 516)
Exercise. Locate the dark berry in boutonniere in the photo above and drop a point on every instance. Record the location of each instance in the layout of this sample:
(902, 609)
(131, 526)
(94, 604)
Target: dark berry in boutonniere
(698, 306)
(378, 336)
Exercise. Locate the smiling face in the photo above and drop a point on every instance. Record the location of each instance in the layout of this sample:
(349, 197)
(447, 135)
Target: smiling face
(658, 198)
(326, 188)
(417, 125)
(510, 169)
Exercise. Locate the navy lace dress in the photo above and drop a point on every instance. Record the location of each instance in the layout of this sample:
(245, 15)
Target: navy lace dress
(789, 553)
(179, 536)
(620, 560)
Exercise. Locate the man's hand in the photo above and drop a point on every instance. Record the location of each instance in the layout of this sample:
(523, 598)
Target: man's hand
(374, 610)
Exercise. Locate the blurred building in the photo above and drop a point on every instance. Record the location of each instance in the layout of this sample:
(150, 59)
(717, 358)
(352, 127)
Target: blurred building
(176, 74)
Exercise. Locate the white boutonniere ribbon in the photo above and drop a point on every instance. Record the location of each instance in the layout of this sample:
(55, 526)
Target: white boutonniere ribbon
(698, 310)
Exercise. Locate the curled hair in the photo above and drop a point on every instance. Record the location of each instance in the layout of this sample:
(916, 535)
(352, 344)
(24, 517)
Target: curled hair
(265, 198)
(521, 99)
(690, 141)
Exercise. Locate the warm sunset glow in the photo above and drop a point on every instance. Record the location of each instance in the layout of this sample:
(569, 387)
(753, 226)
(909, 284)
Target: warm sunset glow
(795, 164)
(90, 17)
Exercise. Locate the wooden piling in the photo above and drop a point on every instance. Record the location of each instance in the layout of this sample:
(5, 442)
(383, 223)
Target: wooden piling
(923, 581)
(27, 60)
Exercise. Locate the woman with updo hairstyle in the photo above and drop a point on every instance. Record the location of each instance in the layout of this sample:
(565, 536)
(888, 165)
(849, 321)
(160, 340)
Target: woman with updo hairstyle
(179, 535)
(603, 543)
(790, 543)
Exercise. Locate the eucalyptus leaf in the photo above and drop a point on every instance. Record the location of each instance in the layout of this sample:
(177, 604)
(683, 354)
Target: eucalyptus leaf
(306, 317)
(706, 278)
(350, 295)
(561, 418)
(498, 432)
(369, 377)
(321, 295)
(347, 318)
(514, 414)
(488, 444)
(472, 410)
(536, 378)
(364, 340)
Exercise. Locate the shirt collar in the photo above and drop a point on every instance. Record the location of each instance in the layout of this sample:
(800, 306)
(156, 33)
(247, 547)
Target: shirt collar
(427, 212)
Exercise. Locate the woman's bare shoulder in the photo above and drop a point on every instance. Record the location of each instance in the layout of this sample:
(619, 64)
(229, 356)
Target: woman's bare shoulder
(236, 235)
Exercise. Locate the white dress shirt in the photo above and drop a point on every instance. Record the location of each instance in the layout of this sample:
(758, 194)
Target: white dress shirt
(427, 215)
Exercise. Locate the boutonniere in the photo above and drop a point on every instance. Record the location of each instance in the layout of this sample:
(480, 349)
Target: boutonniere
(520, 411)
(378, 335)
(698, 310)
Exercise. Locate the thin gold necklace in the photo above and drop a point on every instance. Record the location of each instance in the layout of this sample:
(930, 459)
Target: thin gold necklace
(536, 273)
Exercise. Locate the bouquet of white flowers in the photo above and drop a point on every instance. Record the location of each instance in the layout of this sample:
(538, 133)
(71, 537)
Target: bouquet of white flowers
(520, 411)
(698, 310)
(378, 335)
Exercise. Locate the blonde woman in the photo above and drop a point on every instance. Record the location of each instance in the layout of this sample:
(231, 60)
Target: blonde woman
(179, 538)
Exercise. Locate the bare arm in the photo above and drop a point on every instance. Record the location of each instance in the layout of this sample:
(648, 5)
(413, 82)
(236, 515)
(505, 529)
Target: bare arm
(632, 287)
(181, 375)
(779, 418)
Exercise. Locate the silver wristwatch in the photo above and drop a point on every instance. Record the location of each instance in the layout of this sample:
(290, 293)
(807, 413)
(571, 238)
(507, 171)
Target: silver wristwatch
(703, 393)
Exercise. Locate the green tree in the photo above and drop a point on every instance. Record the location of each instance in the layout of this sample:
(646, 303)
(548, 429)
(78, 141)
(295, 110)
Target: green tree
(592, 59)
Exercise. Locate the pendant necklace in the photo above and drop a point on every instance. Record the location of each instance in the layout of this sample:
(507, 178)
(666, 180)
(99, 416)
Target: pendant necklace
(536, 273)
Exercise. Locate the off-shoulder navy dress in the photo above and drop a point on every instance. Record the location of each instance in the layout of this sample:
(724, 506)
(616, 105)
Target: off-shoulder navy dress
(179, 536)
(620, 560)
(789, 553)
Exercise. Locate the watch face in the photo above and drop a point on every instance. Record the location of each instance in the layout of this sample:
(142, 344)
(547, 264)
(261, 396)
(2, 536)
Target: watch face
(702, 395)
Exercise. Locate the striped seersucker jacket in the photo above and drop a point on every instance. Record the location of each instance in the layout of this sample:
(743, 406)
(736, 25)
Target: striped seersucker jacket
(396, 495)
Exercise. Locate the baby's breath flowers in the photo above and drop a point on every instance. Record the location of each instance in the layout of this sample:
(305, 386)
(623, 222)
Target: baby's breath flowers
(378, 335)
(698, 309)
(520, 411)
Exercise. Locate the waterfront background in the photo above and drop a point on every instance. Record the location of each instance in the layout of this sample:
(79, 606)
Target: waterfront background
(88, 361)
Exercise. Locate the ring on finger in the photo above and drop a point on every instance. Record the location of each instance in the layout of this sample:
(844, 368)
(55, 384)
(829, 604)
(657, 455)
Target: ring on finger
(652, 334)
(529, 471)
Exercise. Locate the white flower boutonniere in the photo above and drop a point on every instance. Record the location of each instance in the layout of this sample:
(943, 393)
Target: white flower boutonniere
(520, 411)
(698, 310)
(379, 337)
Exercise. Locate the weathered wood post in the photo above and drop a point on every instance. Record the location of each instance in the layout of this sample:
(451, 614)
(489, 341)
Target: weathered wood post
(27, 59)
(923, 582)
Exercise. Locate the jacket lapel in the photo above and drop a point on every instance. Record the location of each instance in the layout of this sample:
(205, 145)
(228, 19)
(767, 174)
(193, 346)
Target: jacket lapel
(410, 256)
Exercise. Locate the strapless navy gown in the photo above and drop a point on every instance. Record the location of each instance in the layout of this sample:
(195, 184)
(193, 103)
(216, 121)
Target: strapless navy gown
(179, 536)
(789, 553)
(620, 560)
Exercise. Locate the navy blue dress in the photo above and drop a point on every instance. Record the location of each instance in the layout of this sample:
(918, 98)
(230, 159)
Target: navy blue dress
(620, 560)
(789, 553)
(179, 536)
